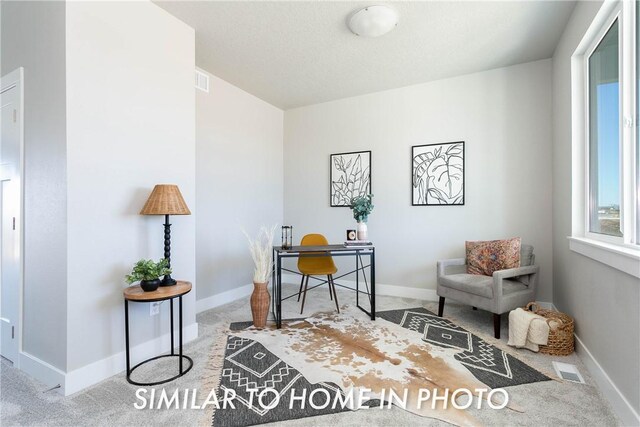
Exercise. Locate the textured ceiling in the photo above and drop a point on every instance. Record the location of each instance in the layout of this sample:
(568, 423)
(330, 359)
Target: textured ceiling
(292, 54)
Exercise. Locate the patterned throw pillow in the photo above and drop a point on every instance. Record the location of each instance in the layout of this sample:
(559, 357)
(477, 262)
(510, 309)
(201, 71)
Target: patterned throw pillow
(486, 257)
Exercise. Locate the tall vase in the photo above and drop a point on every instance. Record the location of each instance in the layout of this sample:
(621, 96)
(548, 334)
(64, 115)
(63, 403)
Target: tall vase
(362, 230)
(260, 299)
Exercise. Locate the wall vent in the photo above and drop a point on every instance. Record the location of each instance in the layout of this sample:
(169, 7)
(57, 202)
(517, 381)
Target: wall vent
(202, 81)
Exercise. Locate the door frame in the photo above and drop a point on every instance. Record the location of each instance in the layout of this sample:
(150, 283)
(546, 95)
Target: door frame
(16, 79)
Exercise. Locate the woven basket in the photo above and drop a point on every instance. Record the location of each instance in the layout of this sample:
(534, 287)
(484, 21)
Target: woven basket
(560, 331)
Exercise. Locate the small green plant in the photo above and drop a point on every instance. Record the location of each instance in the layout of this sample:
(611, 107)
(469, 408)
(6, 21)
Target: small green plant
(361, 207)
(146, 269)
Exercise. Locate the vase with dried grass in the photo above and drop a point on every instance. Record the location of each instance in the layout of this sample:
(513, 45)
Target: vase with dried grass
(262, 254)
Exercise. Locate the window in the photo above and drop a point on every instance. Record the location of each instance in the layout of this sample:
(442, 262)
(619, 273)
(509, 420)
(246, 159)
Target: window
(637, 46)
(604, 135)
(605, 138)
(609, 139)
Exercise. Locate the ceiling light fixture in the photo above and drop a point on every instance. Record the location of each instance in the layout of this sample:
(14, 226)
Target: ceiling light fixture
(373, 21)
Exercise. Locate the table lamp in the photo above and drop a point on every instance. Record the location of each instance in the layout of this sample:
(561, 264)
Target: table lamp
(166, 199)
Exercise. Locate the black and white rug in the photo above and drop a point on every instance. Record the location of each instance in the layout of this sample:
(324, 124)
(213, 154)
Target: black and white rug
(488, 363)
(248, 365)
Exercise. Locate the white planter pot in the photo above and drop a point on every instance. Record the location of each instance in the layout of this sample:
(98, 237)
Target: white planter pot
(362, 231)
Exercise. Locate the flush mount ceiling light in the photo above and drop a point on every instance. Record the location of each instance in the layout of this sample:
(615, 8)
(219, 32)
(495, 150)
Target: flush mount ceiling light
(373, 21)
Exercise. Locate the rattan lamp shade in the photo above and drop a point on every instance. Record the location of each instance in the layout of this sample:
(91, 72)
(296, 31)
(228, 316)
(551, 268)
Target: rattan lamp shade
(165, 199)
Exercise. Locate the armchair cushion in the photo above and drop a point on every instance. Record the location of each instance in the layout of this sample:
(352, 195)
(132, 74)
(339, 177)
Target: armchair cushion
(486, 257)
(526, 255)
(510, 286)
(470, 283)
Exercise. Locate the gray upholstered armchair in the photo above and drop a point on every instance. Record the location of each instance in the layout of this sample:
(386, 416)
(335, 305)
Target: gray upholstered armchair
(505, 291)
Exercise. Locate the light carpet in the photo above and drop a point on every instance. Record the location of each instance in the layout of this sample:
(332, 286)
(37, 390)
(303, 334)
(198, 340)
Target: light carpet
(25, 401)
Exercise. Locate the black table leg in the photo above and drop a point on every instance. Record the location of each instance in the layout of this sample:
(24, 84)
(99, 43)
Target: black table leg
(172, 346)
(181, 366)
(273, 286)
(279, 291)
(180, 326)
(357, 280)
(373, 283)
(126, 336)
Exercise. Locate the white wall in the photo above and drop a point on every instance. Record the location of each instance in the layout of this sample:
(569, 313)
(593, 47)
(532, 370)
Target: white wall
(239, 168)
(33, 37)
(130, 125)
(605, 302)
(503, 115)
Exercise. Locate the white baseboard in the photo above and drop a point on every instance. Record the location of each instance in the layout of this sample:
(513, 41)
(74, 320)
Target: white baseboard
(222, 298)
(381, 288)
(93, 373)
(546, 305)
(42, 371)
(395, 290)
(619, 403)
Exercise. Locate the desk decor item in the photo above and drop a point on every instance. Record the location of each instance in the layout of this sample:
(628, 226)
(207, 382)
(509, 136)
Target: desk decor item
(287, 237)
(166, 199)
(351, 235)
(361, 207)
(148, 273)
(261, 249)
(350, 176)
(438, 174)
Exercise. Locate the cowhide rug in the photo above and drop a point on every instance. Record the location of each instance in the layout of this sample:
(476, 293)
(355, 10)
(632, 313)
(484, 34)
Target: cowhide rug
(353, 352)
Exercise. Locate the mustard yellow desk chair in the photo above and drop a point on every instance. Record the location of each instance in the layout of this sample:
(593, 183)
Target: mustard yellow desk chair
(316, 266)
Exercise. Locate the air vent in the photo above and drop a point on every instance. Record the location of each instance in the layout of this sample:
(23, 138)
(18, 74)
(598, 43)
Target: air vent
(202, 81)
(568, 372)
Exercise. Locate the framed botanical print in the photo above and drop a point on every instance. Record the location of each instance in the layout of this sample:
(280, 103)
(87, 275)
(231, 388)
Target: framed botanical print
(350, 176)
(437, 177)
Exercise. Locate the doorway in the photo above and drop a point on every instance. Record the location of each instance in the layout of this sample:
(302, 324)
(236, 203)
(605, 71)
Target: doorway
(11, 213)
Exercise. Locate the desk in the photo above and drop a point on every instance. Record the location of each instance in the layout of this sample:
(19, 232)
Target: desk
(330, 250)
(163, 293)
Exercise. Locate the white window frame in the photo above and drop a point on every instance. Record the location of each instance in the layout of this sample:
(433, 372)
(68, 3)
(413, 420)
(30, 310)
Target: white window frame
(616, 14)
(622, 253)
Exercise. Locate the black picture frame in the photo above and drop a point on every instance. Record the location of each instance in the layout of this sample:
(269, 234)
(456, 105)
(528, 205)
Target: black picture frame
(421, 194)
(345, 165)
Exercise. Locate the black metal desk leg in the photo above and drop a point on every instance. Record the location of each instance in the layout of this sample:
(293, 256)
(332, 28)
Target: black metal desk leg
(126, 335)
(373, 283)
(180, 326)
(357, 280)
(279, 291)
(172, 346)
(273, 286)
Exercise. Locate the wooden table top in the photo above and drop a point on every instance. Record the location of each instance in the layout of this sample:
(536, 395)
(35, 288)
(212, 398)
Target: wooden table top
(135, 293)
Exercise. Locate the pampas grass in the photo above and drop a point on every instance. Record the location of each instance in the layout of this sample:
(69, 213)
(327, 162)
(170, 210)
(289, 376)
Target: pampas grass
(261, 249)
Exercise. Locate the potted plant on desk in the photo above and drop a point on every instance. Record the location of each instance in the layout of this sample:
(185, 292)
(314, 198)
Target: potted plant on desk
(261, 249)
(148, 273)
(361, 207)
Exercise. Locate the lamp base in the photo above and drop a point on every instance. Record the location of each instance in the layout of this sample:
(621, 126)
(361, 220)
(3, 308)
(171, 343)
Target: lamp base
(168, 281)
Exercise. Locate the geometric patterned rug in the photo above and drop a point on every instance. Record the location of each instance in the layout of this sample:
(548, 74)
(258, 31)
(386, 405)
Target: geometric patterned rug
(248, 365)
(486, 362)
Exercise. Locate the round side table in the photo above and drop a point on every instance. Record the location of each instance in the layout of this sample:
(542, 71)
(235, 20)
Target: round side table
(163, 293)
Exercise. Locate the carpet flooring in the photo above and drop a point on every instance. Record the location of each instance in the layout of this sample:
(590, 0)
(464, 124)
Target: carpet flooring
(24, 401)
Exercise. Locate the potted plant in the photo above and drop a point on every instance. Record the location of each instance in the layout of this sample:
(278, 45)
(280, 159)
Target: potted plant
(148, 273)
(361, 207)
(261, 249)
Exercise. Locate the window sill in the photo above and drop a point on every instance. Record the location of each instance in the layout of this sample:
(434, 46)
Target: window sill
(619, 257)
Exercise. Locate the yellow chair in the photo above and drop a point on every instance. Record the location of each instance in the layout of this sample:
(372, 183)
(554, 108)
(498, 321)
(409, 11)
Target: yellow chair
(316, 266)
